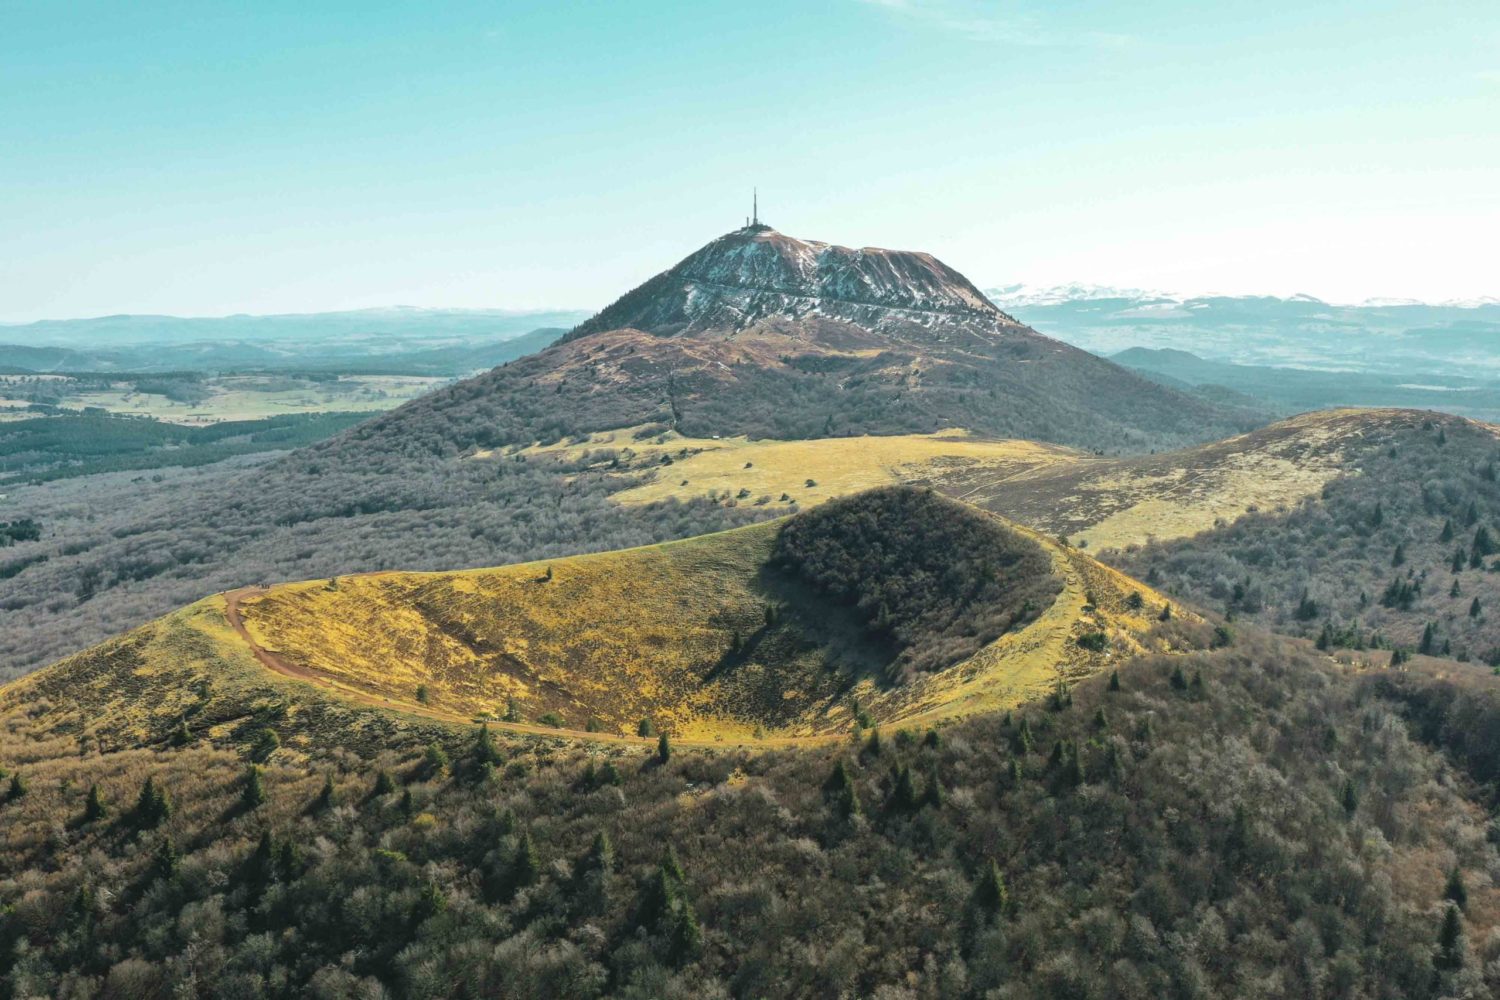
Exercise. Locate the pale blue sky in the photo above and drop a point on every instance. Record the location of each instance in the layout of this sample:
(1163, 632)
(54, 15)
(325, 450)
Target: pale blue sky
(199, 158)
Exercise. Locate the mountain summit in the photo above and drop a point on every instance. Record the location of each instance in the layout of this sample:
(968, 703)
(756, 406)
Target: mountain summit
(756, 274)
(764, 335)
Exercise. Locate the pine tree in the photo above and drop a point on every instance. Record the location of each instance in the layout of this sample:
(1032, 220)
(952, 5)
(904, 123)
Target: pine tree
(687, 936)
(183, 736)
(1014, 774)
(260, 866)
(1447, 534)
(658, 900)
(1450, 955)
(1166, 612)
(904, 796)
(990, 893)
(1072, 774)
(1484, 545)
(165, 861)
(663, 749)
(327, 796)
(485, 752)
(525, 867)
(1455, 590)
(384, 784)
(1112, 764)
(1114, 681)
(1458, 561)
(93, 807)
(18, 788)
(1455, 891)
(645, 729)
(1349, 798)
(253, 793)
(430, 902)
(1399, 556)
(1024, 740)
(1179, 679)
(1429, 635)
(288, 861)
(1101, 721)
(1475, 608)
(512, 710)
(934, 794)
(1325, 637)
(153, 807)
(672, 865)
(601, 855)
(838, 779)
(435, 761)
(266, 743)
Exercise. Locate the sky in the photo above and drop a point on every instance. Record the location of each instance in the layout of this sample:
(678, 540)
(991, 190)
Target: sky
(201, 159)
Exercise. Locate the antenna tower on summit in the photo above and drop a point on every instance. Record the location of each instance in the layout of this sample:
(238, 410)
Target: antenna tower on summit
(754, 206)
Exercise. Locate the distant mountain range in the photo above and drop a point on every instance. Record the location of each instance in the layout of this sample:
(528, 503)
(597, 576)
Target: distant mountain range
(1459, 339)
(1380, 336)
(404, 339)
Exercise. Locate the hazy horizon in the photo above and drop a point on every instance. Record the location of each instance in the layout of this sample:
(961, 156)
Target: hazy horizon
(1475, 302)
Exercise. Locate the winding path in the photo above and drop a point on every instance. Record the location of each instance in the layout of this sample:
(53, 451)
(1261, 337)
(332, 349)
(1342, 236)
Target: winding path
(276, 663)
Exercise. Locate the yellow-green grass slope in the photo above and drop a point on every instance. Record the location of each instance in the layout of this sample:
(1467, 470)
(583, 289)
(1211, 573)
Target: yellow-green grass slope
(137, 690)
(703, 637)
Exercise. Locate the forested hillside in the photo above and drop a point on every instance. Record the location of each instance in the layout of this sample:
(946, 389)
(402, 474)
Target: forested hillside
(1246, 822)
(1401, 550)
(937, 579)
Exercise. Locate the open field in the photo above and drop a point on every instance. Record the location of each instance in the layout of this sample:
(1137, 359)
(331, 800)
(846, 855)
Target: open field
(1099, 503)
(1115, 503)
(212, 399)
(803, 472)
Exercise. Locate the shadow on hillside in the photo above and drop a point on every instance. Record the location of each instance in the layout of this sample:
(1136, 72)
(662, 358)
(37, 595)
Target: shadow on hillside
(806, 644)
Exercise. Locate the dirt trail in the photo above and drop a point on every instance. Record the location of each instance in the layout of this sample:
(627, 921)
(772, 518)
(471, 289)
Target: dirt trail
(233, 599)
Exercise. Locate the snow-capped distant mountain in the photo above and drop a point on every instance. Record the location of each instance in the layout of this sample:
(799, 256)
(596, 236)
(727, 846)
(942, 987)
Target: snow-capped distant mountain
(1301, 331)
(1026, 294)
(1023, 294)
